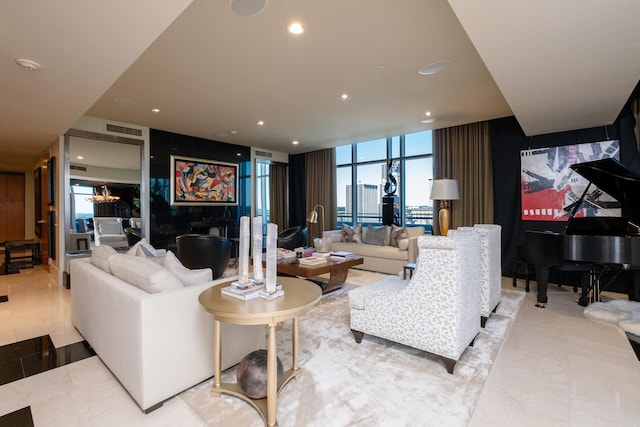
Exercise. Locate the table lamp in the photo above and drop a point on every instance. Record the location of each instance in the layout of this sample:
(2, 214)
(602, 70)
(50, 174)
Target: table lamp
(444, 190)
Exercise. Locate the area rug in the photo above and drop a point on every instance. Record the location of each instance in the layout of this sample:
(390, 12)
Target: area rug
(375, 383)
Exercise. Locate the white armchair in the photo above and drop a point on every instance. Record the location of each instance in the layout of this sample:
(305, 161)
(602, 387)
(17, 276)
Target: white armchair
(438, 310)
(108, 231)
(490, 268)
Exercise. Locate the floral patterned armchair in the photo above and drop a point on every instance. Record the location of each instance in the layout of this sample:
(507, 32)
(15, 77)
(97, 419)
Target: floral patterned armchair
(438, 310)
(490, 269)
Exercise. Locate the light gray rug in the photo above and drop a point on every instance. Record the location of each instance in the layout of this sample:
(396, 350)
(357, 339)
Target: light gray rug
(375, 383)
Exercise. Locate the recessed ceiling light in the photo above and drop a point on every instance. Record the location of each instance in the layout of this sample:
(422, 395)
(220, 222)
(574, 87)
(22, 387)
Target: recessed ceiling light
(28, 64)
(155, 110)
(239, 154)
(345, 97)
(124, 102)
(433, 68)
(427, 114)
(80, 158)
(295, 142)
(260, 123)
(296, 28)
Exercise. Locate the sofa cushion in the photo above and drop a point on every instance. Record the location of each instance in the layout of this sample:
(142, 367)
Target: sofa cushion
(185, 275)
(143, 273)
(107, 227)
(375, 235)
(397, 233)
(374, 251)
(352, 234)
(100, 257)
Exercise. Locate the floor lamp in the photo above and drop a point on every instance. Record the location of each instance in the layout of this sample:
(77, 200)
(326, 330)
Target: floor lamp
(313, 217)
(444, 190)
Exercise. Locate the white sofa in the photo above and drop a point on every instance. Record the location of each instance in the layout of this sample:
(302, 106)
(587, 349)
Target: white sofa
(155, 344)
(384, 258)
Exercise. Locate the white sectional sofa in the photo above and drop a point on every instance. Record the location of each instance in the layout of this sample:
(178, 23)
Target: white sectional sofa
(382, 258)
(156, 344)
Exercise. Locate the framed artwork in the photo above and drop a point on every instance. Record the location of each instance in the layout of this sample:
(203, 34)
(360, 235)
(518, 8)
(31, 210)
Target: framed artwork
(203, 182)
(549, 186)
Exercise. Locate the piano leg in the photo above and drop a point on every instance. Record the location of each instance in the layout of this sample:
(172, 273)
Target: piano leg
(542, 277)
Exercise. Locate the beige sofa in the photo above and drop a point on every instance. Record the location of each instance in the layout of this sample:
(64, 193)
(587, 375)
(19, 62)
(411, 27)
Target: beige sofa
(385, 258)
(155, 344)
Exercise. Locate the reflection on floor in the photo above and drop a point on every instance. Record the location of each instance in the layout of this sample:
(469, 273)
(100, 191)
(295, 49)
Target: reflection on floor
(555, 368)
(36, 355)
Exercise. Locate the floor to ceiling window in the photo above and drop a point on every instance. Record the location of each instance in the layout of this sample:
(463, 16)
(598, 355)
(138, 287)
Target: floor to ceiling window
(364, 170)
(262, 192)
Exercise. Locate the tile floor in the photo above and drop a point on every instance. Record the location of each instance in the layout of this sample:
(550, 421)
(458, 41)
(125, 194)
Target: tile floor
(556, 368)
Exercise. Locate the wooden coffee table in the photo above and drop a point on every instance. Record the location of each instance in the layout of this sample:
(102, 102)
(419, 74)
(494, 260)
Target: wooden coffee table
(337, 270)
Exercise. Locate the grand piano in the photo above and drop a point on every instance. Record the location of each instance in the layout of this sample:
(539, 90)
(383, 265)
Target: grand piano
(594, 247)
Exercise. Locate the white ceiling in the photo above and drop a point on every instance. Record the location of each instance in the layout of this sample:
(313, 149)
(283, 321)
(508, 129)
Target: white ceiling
(554, 65)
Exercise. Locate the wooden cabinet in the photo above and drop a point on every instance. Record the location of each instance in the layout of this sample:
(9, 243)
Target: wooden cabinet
(12, 209)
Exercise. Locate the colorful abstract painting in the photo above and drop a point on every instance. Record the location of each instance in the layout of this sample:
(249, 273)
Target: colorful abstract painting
(549, 186)
(203, 182)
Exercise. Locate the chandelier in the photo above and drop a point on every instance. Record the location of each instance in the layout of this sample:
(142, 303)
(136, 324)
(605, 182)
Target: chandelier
(102, 197)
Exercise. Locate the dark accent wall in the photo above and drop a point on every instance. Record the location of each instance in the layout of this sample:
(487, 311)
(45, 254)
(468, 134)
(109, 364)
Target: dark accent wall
(507, 139)
(168, 222)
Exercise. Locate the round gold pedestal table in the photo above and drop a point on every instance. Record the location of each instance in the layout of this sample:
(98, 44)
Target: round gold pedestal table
(299, 296)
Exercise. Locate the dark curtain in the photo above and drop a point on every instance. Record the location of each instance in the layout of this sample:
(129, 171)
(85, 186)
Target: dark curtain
(463, 153)
(507, 139)
(278, 201)
(297, 190)
(320, 178)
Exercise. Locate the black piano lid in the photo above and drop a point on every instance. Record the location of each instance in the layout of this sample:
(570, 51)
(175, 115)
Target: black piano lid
(614, 178)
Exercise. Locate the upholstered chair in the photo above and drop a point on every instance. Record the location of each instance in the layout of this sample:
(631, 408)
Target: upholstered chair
(490, 268)
(108, 231)
(438, 310)
(204, 251)
(292, 237)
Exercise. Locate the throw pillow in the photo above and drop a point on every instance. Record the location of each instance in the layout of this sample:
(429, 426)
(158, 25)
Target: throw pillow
(143, 248)
(143, 273)
(403, 244)
(398, 233)
(351, 234)
(100, 257)
(375, 235)
(185, 275)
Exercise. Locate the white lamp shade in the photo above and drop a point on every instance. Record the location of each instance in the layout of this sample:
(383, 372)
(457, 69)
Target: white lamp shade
(445, 189)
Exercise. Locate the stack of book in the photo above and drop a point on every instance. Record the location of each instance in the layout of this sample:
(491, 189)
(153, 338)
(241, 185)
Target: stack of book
(342, 255)
(312, 260)
(246, 293)
(282, 253)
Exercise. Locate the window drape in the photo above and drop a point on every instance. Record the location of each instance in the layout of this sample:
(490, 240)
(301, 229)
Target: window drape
(464, 153)
(278, 210)
(320, 187)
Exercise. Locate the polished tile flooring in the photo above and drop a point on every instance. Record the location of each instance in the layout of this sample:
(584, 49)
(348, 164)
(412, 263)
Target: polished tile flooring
(556, 368)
